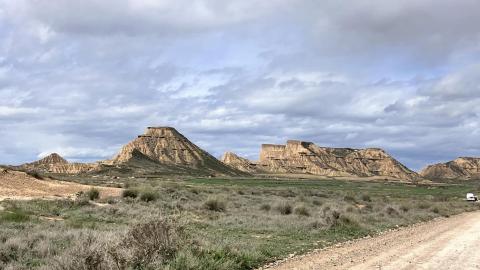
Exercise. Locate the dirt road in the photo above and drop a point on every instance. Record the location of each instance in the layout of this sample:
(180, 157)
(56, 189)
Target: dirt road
(448, 243)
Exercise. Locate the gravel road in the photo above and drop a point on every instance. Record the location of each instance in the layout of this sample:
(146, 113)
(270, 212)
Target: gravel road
(446, 243)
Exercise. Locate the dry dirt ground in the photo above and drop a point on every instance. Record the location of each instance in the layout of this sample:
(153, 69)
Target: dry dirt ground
(446, 243)
(21, 186)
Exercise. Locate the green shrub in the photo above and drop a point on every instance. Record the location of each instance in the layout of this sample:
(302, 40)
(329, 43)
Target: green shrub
(130, 193)
(148, 196)
(93, 194)
(215, 204)
(302, 211)
(284, 208)
(366, 198)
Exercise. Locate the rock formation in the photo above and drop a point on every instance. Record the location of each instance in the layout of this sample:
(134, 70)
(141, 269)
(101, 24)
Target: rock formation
(306, 157)
(74, 168)
(54, 163)
(52, 159)
(239, 163)
(463, 168)
(166, 146)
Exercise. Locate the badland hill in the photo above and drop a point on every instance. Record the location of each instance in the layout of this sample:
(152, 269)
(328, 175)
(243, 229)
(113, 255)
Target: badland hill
(300, 157)
(463, 168)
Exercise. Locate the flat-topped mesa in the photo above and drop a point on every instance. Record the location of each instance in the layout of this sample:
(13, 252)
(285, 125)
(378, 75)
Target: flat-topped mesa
(166, 146)
(306, 157)
(161, 132)
(462, 168)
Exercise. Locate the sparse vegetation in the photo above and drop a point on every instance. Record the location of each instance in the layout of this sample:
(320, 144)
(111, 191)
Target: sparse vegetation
(148, 196)
(284, 208)
(130, 193)
(265, 207)
(189, 224)
(302, 211)
(35, 175)
(215, 204)
(93, 194)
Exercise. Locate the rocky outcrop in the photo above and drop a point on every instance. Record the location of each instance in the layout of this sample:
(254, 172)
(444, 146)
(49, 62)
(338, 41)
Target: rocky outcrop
(463, 168)
(74, 168)
(239, 163)
(54, 163)
(52, 159)
(306, 157)
(166, 146)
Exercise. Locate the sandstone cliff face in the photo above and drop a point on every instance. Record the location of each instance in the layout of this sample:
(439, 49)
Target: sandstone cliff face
(74, 168)
(306, 157)
(166, 146)
(463, 168)
(239, 163)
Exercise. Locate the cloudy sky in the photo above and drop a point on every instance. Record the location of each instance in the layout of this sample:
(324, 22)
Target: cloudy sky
(84, 77)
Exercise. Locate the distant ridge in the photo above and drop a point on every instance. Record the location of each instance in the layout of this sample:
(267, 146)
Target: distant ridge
(462, 168)
(308, 158)
(54, 163)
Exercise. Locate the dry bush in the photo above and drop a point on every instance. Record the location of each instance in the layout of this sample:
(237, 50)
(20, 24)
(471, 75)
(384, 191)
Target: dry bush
(93, 194)
(148, 196)
(366, 198)
(302, 211)
(151, 243)
(265, 207)
(215, 204)
(147, 245)
(130, 193)
(86, 254)
(284, 208)
(391, 211)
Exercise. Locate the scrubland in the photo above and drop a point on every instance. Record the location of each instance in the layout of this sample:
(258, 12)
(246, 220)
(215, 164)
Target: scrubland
(211, 223)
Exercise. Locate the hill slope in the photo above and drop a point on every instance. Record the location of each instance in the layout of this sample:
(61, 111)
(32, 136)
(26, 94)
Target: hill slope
(463, 168)
(169, 151)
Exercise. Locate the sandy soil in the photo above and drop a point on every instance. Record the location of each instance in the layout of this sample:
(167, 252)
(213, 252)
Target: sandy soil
(21, 186)
(447, 243)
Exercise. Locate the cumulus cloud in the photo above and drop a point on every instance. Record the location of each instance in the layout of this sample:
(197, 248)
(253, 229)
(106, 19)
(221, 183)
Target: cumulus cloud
(84, 77)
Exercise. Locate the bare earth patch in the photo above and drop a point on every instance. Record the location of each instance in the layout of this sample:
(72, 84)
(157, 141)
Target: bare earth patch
(21, 186)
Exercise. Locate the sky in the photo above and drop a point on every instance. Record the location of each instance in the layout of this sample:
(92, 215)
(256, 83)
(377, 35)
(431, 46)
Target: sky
(82, 78)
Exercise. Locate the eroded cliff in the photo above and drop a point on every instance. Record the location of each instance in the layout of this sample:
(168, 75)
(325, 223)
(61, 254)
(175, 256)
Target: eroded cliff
(306, 157)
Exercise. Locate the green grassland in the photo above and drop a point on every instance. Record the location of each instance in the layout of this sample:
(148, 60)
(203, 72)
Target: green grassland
(211, 223)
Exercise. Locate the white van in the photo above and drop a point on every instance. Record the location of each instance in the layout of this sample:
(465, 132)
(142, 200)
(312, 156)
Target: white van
(471, 197)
